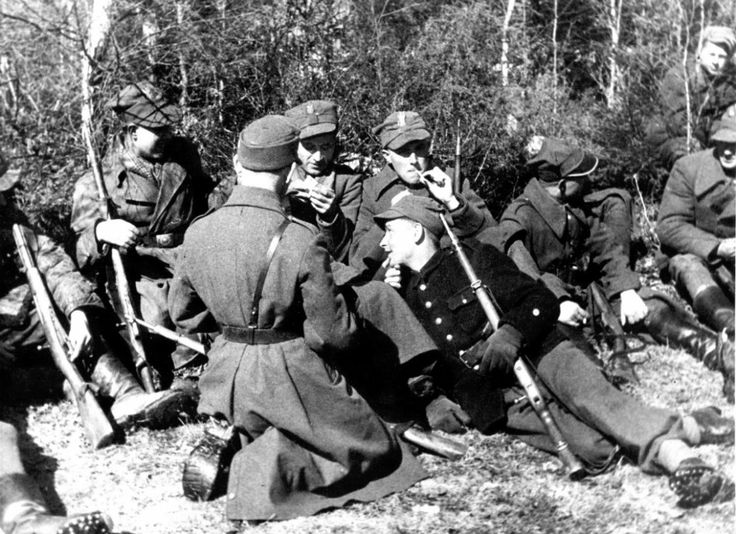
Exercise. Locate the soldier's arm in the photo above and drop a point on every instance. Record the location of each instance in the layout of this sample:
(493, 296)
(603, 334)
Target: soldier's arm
(329, 325)
(339, 231)
(676, 221)
(472, 216)
(69, 289)
(87, 212)
(187, 309)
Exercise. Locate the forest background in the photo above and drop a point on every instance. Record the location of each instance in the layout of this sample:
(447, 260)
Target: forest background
(495, 71)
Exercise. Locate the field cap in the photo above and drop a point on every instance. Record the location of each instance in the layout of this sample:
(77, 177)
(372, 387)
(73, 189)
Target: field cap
(268, 144)
(400, 128)
(578, 164)
(556, 159)
(726, 132)
(144, 105)
(315, 117)
(424, 210)
(8, 179)
(720, 35)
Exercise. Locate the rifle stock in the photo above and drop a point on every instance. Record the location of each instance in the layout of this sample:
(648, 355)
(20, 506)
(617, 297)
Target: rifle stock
(574, 468)
(96, 424)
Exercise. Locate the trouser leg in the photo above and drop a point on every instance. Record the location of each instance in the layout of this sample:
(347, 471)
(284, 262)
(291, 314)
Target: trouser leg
(636, 427)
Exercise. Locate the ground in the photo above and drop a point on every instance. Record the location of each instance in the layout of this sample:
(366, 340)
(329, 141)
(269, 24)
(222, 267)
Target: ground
(501, 485)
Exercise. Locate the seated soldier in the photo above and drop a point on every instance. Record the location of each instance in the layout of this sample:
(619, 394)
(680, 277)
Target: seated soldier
(710, 89)
(597, 419)
(406, 144)
(310, 442)
(696, 228)
(580, 236)
(157, 187)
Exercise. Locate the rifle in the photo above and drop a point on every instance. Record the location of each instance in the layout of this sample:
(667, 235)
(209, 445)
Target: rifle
(173, 336)
(458, 184)
(724, 277)
(98, 428)
(122, 286)
(575, 469)
(619, 365)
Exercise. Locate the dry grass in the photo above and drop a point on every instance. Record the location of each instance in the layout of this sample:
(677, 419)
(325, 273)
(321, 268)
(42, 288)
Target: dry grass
(501, 486)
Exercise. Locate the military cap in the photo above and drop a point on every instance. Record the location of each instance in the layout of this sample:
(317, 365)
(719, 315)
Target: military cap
(424, 210)
(315, 117)
(144, 105)
(557, 159)
(726, 132)
(268, 144)
(400, 128)
(720, 35)
(8, 178)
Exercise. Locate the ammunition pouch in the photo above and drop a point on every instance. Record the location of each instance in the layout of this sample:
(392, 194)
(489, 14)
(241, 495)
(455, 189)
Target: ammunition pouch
(207, 468)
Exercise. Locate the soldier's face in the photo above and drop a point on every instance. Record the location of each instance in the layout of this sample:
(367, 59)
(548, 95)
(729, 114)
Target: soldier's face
(400, 240)
(572, 189)
(726, 153)
(713, 58)
(316, 153)
(150, 143)
(409, 161)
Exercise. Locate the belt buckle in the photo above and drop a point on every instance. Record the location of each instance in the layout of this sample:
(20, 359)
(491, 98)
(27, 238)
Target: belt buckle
(164, 240)
(466, 363)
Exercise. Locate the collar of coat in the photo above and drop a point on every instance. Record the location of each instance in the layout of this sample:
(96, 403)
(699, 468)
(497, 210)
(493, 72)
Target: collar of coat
(710, 174)
(387, 178)
(256, 197)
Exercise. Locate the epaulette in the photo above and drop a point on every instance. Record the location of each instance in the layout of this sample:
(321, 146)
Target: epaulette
(203, 215)
(309, 226)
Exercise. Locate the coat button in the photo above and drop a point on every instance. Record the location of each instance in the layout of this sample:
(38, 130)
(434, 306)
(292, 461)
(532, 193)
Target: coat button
(535, 312)
(438, 320)
(422, 287)
(465, 301)
(448, 337)
(231, 496)
(428, 304)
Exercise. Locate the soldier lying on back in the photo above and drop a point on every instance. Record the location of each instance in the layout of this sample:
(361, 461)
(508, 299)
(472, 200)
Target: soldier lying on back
(598, 420)
(310, 442)
(578, 236)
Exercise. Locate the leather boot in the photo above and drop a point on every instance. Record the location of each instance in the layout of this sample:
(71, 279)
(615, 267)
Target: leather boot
(675, 327)
(714, 308)
(22, 512)
(131, 404)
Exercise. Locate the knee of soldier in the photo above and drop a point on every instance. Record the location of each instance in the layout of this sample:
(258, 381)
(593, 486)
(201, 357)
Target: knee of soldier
(682, 266)
(8, 435)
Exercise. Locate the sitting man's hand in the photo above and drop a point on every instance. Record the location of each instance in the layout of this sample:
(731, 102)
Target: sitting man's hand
(727, 248)
(445, 415)
(633, 308)
(501, 351)
(571, 313)
(79, 332)
(393, 276)
(117, 232)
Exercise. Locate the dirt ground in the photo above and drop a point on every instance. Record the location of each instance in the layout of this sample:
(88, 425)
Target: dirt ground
(501, 485)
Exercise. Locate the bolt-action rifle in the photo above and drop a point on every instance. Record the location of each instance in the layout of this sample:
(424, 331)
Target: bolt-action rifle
(96, 424)
(121, 285)
(574, 468)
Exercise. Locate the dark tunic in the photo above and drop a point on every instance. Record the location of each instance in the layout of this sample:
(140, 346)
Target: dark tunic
(310, 441)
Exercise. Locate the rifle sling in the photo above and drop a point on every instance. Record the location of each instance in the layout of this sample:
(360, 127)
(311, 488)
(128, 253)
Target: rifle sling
(253, 324)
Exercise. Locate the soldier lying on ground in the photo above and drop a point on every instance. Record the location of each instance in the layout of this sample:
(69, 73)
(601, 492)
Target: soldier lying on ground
(710, 89)
(598, 420)
(579, 236)
(157, 186)
(22, 510)
(310, 442)
(697, 229)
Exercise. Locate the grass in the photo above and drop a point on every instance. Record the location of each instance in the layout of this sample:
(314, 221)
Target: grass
(501, 486)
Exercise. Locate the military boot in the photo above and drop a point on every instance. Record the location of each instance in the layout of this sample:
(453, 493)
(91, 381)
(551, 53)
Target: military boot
(677, 328)
(21, 512)
(715, 309)
(131, 404)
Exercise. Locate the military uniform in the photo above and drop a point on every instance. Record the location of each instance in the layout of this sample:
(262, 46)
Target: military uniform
(310, 442)
(160, 198)
(696, 212)
(595, 417)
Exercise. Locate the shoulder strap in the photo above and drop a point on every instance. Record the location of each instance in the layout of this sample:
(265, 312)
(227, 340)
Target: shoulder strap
(264, 271)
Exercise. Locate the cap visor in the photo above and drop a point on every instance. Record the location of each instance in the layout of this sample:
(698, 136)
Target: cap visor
(585, 167)
(407, 137)
(725, 136)
(389, 215)
(314, 130)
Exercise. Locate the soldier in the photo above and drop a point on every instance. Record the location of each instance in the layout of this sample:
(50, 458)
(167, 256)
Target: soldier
(696, 228)
(157, 186)
(321, 191)
(711, 90)
(309, 441)
(578, 236)
(597, 419)
(22, 508)
(406, 144)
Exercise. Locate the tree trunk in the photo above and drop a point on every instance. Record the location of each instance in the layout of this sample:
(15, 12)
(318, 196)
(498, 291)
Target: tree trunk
(182, 7)
(505, 43)
(554, 59)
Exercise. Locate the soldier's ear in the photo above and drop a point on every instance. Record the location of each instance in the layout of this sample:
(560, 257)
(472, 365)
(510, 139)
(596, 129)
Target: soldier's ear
(386, 153)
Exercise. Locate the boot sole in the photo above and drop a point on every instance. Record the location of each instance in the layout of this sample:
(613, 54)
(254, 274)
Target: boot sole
(166, 412)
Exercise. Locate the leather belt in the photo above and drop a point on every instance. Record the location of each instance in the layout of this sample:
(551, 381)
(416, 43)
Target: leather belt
(257, 336)
(162, 240)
